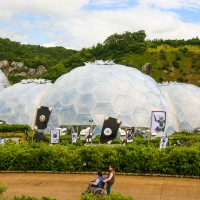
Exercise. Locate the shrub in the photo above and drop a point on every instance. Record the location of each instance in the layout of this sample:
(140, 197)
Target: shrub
(140, 156)
(112, 196)
(180, 79)
(2, 190)
(14, 128)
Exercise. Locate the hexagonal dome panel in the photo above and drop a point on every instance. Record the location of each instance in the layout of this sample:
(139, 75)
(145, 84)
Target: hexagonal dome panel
(140, 116)
(101, 111)
(85, 103)
(104, 93)
(124, 104)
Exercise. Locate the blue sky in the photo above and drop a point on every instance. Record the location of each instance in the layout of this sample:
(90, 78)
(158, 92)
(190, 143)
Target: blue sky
(78, 24)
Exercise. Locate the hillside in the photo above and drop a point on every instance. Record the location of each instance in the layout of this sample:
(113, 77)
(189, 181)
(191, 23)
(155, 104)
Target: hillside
(171, 60)
(180, 64)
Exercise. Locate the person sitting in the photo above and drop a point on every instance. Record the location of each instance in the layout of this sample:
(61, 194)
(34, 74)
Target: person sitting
(97, 183)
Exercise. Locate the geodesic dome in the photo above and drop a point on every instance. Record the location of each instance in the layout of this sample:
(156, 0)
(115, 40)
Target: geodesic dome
(3, 81)
(101, 89)
(19, 102)
(186, 103)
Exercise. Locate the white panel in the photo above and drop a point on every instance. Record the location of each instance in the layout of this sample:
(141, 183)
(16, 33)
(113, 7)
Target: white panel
(124, 104)
(104, 93)
(85, 103)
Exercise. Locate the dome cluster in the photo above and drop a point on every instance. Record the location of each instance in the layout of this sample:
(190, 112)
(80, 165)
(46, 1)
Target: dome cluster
(89, 93)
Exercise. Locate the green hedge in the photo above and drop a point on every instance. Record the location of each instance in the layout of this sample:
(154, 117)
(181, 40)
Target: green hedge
(126, 159)
(14, 127)
(111, 196)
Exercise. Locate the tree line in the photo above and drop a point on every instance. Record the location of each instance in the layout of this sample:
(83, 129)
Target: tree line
(129, 48)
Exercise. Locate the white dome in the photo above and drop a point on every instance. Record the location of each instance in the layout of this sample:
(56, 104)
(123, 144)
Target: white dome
(18, 103)
(3, 81)
(186, 102)
(97, 90)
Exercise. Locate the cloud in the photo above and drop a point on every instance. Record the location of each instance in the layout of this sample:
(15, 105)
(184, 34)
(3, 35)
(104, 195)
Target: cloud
(171, 4)
(43, 7)
(83, 23)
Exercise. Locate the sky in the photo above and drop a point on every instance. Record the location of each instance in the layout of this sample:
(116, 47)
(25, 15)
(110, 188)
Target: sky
(77, 24)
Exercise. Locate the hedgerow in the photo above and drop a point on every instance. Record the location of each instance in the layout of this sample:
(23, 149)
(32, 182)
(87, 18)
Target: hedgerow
(14, 128)
(126, 159)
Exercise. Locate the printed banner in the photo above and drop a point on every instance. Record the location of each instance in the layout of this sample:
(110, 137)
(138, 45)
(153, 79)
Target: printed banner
(109, 129)
(158, 121)
(129, 135)
(2, 141)
(55, 136)
(163, 141)
(43, 114)
(89, 138)
(74, 137)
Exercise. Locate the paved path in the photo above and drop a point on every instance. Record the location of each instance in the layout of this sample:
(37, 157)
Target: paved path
(70, 186)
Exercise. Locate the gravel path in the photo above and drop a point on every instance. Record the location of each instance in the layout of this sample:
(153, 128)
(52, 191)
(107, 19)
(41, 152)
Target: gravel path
(71, 186)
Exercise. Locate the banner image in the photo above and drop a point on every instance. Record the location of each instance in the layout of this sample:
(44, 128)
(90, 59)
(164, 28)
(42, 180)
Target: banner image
(89, 138)
(109, 129)
(42, 118)
(158, 121)
(129, 135)
(55, 136)
(74, 137)
(163, 141)
(2, 141)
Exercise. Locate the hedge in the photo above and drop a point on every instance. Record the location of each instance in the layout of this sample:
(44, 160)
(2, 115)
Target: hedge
(14, 127)
(126, 159)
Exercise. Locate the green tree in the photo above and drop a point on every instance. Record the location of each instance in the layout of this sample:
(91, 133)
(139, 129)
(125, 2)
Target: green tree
(54, 72)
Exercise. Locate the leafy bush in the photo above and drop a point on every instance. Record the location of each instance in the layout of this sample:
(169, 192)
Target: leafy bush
(112, 196)
(140, 156)
(2, 190)
(96, 140)
(14, 127)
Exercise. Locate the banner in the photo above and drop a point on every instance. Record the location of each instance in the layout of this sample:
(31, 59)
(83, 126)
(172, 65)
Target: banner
(42, 118)
(2, 141)
(109, 129)
(163, 141)
(129, 135)
(74, 137)
(55, 136)
(89, 138)
(158, 121)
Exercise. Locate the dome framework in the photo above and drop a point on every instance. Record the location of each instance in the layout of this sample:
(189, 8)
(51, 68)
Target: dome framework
(95, 90)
